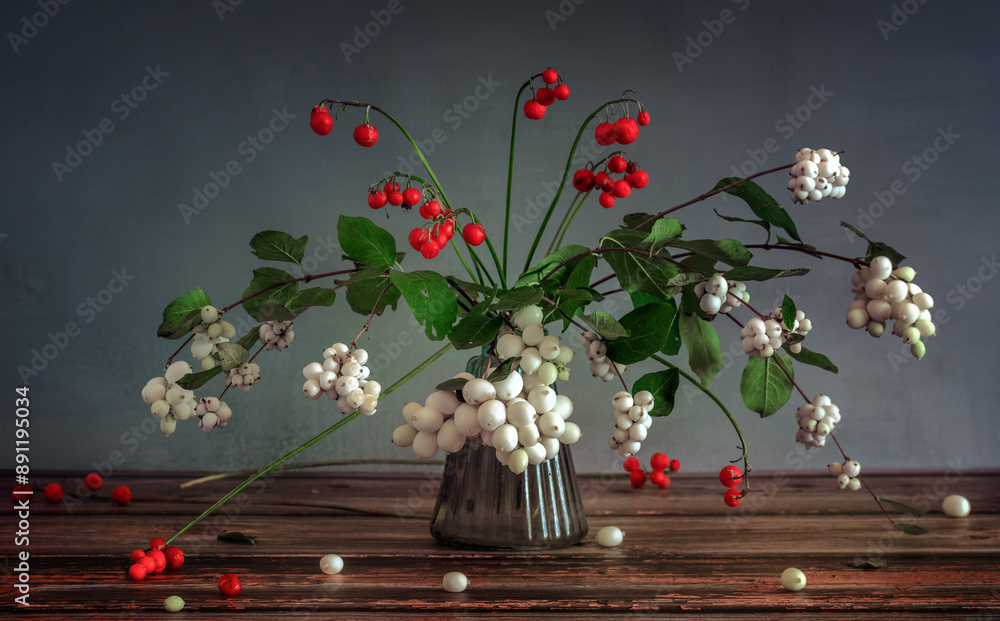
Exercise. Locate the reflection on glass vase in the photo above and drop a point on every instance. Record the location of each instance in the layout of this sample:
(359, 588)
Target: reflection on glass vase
(483, 505)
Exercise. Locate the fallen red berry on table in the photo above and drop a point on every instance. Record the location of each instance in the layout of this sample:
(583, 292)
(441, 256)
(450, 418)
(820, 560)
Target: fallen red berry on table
(21, 491)
(675, 465)
(733, 497)
(659, 461)
(135, 555)
(730, 476)
(137, 572)
(93, 482)
(550, 76)
(320, 120)
(630, 464)
(657, 477)
(53, 492)
(533, 109)
(121, 495)
(626, 130)
(643, 118)
(637, 478)
(474, 233)
(159, 560)
(148, 563)
(174, 556)
(229, 584)
(157, 543)
(562, 92)
(365, 135)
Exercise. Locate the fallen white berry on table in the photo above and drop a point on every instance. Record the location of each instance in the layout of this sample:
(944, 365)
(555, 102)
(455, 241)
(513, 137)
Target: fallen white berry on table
(793, 579)
(331, 564)
(455, 582)
(609, 536)
(956, 506)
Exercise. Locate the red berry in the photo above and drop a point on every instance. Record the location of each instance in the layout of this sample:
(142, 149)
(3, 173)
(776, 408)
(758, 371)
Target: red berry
(391, 187)
(448, 227)
(93, 482)
(21, 491)
(411, 196)
(121, 495)
(533, 109)
(137, 572)
(149, 563)
(474, 233)
(53, 492)
(550, 76)
(631, 167)
(175, 557)
(617, 164)
(637, 478)
(607, 200)
(675, 465)
(545, 96)
(657, 477)
(604, 181)
(605, 134)
(643, 118)
(733, 497)
(638, 180)
(157, 543)
(159, 560)
(320, 120)
(430, 249)
(417, 237)
(583, 180)
(135, 555)
(377, 199)
(440, 236)
(630, 464)
(626, 130)
(430, 210)
(659, 461)
(562, 92)
(395, 198)
(730, 476)
(365, 135)
(229, 584)
(621, 188)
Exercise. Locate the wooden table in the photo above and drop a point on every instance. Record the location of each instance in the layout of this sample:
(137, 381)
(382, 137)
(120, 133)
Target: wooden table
(684, 553)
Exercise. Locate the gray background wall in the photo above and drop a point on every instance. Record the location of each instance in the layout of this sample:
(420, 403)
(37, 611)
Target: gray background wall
(895, 75)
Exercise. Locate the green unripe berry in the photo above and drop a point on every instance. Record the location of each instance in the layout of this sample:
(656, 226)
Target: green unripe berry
(173, 604)
(904, 273)
(918, 349)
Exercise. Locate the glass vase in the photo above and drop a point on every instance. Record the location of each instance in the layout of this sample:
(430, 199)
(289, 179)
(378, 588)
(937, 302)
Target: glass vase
(483, 505)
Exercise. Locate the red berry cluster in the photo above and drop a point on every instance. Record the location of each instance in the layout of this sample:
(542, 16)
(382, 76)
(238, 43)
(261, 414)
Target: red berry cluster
(731, 477)
(585, 180)
(322, 123)
(545, 96)
(158, 557)
(659, 463)
(431, 238)
(390, 193)
(623, 131)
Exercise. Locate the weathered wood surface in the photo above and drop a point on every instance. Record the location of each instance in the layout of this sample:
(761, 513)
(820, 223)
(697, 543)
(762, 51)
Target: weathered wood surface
(684, 554)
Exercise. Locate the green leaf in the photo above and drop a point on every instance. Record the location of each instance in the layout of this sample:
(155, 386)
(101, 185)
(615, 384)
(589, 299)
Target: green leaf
(673, 344)
(475, 330)
(638, 272)
(518, 297)
(664, 230)
(648, 327)
(182, 314)
(764, 386)
(633, 220)
(788, 312)
(273, 310)
(868, 563)
(577, 281)
(194, 381)
(364, 288)
(504, 370)
(365, 242)
(557, 279)
(268, 278)
(687, 278)
(454, 384)
(761, 223)
(761, 203)
(316, 296)
(431, 300)
(586, 294)
(279, 246)
(910, 529)
(471, 287)
(231, 355)
(605, 325)
(813, 358)
(788, 242)
(902, 507)
(663, 385)
(250, 339)
(702, 343)
(750, 272)
(237, 537)
(728, 251)
(877, 249)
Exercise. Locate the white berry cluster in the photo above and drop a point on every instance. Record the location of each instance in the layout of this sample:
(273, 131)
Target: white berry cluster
(847, 474)
(543, 358)
(244, 376)
(632, 421)
(208, 334)
(763, 337)
(816, 420)
(882, 293)
(597, 350)
(817, 175)
(719, 295)
(276, 334)
(167, 400)
(343, 376)
(524, 426)
(214, 414)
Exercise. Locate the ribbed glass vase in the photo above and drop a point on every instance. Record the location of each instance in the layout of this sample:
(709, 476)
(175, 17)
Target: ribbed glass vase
(483, 505)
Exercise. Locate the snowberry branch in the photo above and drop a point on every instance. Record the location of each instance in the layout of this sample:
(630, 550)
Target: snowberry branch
(371, 315)
(306, 278)
(857, 263)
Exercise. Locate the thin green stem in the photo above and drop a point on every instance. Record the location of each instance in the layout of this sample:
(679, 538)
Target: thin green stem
(562, 223)
(274, 464)
(578, 206)
(312, 464)
(510, 175)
